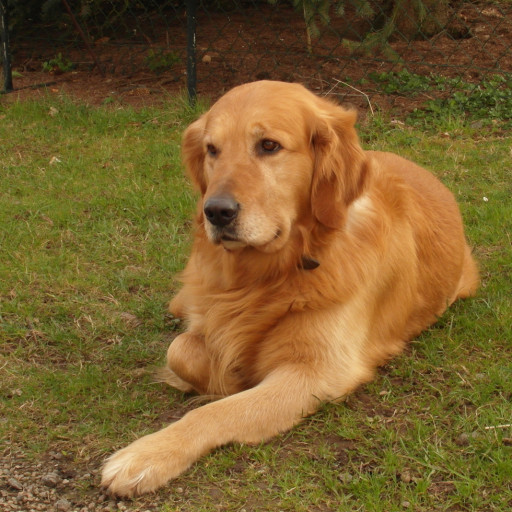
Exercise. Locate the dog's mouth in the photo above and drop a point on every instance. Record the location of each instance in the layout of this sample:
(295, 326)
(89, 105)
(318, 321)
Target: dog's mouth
(233, 245)
(226, 238)
(230, 242)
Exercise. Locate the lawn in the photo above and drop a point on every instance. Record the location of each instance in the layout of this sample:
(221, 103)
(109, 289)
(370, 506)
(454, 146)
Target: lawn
(94, 228)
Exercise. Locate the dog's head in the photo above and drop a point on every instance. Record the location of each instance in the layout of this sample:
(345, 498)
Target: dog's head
(268, 156)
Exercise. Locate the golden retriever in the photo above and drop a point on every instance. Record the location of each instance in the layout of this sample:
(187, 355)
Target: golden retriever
(313, 263)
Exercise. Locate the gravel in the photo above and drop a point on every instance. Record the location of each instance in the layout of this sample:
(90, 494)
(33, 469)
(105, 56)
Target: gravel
(54, 483)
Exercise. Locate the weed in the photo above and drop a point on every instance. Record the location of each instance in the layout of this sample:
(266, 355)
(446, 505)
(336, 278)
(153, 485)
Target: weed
(489, 101)
(160, 60)
(401, 82)
(58, 64)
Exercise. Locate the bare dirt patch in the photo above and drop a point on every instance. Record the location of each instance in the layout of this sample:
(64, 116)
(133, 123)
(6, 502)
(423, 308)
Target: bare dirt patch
(269, 43)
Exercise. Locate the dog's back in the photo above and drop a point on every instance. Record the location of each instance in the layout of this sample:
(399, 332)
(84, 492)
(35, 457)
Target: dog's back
(446, 268)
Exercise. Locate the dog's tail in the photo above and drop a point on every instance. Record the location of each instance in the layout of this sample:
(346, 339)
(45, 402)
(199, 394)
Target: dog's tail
(470, 276)
(166, 375)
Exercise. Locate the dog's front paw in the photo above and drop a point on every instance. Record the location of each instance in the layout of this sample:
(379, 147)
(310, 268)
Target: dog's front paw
(144, 465)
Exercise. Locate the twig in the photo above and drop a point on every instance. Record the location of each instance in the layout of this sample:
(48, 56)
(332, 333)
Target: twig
(494, 427)
(355, 89)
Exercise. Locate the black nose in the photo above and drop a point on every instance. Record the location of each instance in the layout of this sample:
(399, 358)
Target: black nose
(221, 210)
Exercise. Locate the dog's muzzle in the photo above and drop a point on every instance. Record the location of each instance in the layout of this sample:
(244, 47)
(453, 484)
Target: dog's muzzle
(221, 212)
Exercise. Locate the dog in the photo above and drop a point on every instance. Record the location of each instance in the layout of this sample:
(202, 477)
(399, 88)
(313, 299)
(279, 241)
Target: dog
(313, 263)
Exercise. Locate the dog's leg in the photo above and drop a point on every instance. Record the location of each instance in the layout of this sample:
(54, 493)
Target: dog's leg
(280, 401)
(177, 305)
(188, 361)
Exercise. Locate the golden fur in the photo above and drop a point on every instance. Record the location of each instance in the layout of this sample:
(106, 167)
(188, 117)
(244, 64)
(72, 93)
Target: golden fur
(267, 327)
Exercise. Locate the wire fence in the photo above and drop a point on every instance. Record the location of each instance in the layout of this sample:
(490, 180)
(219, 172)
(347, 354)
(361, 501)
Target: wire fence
(373, 53)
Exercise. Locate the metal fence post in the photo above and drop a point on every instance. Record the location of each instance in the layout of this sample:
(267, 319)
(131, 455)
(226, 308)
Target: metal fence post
(6, 54)
(191, 50)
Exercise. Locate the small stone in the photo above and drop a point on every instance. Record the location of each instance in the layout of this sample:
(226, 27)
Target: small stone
(12, 482)
(62, 505)
(130, 320)
(462, 440)
(51, 479)
(405, 477)
(346, 478)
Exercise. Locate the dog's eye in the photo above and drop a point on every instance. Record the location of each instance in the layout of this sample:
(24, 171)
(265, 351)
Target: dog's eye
(212, 150)
(269, 146)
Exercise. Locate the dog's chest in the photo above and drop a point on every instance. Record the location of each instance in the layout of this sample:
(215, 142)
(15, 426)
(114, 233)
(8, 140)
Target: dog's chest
(233, 332)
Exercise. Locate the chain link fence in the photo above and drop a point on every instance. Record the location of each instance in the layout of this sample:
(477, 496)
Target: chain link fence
(372, 53)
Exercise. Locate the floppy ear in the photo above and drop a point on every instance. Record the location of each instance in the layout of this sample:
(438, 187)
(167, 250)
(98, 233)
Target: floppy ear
(340, 169)
(193, 152)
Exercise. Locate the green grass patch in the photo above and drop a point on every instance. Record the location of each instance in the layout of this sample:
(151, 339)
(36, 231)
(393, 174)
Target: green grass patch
(488, 102)
(94, 227)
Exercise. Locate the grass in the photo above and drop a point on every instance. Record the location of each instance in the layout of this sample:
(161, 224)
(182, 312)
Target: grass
(94, 227)
(487, 102)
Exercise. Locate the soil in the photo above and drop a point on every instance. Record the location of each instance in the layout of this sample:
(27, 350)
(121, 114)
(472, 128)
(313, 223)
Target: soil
(263, 43)
(57, 484)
